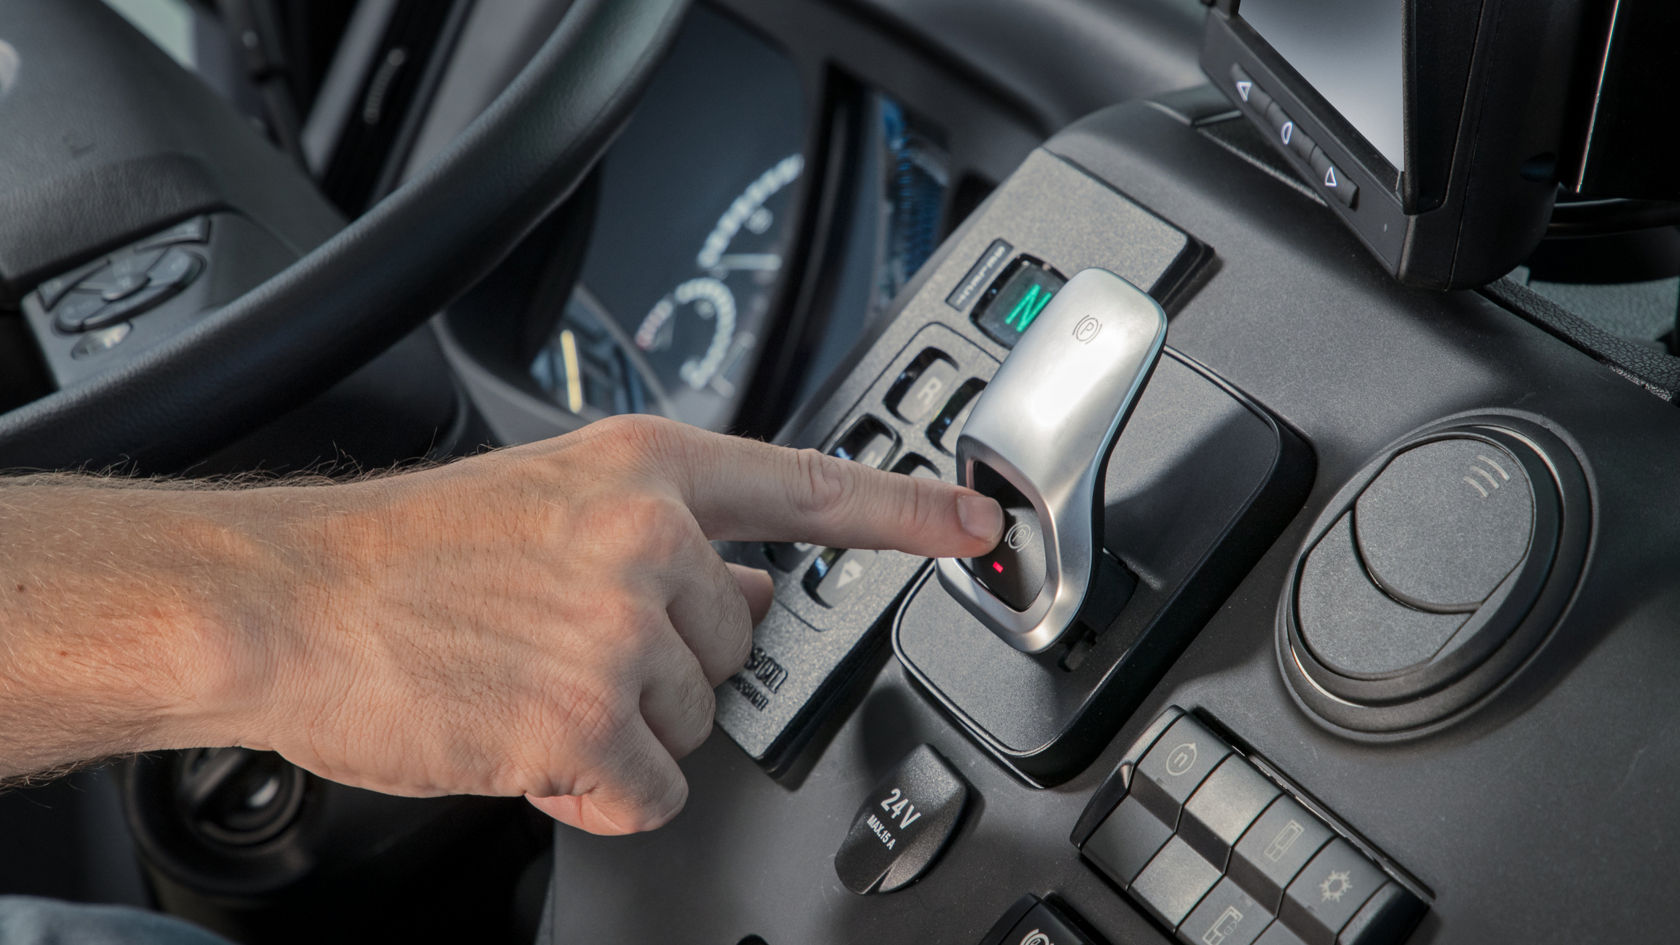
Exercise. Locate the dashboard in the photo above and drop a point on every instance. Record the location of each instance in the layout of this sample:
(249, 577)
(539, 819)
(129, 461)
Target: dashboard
(1386, 651)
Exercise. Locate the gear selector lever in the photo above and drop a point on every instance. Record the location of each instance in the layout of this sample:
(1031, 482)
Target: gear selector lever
(1038, 441)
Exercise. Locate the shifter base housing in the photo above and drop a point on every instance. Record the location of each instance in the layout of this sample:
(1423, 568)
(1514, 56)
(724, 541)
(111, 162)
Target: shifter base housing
(1202, 482)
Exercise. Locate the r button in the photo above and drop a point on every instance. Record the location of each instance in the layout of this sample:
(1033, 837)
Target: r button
(924, 388)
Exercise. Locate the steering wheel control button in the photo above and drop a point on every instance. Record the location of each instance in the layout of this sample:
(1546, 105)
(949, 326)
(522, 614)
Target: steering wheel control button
(120, 289)
(1017, 299)
(1226, 804)
(923, 388)
(837, 575)
(903, 825)
(980, 275)
(196, 230)
(1329, 891)
(1225, 916)
(75, 309)
(1273, 851)
(1173, 882)
(1176, 766)
(124, 268)
(951, 419)
(1124, 844)
(869, 442)
(101, 341)
(177, 268)
(1014, 570)
(1445, 523)
(138, 303)
(52, 291)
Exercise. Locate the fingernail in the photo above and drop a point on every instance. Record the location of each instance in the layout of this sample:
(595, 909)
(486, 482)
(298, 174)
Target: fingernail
(981, 517)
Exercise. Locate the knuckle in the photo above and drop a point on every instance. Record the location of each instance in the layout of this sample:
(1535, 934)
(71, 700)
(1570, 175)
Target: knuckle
(700, 706)
(735, 632)
(658, 528)
(644, 438)
(822, 483)
(598, 717)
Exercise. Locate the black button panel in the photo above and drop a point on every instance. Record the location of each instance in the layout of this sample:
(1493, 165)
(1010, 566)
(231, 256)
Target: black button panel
(829, 604)
(1221, 854)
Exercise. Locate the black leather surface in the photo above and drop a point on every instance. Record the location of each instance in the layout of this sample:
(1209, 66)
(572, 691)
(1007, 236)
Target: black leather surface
(378, 278)
(106, 139)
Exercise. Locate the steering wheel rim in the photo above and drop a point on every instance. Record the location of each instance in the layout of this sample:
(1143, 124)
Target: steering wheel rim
(379, 278)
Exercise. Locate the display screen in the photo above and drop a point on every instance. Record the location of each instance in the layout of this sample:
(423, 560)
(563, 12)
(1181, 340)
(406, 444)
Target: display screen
(1350, 52)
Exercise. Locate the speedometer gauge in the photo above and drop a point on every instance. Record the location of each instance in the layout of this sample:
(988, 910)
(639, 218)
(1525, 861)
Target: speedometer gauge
(699, 338)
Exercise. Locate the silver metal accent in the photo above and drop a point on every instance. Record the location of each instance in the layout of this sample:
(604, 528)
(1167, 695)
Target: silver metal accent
(1046, 423)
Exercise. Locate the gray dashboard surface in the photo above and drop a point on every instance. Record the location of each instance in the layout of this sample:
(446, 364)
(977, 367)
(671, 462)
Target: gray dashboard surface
(1546, 816)
(1061, 58)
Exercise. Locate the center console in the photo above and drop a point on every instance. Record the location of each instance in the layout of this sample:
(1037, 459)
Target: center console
(1349, 656)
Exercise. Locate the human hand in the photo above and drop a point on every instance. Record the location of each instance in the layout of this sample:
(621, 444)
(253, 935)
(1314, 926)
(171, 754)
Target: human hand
(550, 620)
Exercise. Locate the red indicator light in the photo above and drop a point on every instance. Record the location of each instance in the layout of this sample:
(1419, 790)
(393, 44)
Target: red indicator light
(997, 566)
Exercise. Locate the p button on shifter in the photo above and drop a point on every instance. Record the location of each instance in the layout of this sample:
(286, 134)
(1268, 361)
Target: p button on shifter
(1014, 570)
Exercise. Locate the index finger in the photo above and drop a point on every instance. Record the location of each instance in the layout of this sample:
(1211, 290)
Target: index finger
(745, 490)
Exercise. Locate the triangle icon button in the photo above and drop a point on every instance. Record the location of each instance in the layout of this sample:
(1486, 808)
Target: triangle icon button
(1243, 88)
(1330, 179)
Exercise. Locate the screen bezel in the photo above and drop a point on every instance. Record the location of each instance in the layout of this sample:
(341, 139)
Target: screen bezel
(1347, 135)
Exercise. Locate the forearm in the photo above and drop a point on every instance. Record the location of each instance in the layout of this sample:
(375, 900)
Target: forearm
(132, 617)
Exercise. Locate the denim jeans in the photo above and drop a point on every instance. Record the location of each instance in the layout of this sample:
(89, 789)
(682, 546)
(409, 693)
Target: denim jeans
(25, 920)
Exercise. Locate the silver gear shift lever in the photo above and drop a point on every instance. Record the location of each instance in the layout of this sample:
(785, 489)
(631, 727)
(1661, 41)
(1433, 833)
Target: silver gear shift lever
(1038, 441)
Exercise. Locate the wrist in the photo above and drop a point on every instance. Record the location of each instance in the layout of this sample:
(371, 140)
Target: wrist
(135, 619)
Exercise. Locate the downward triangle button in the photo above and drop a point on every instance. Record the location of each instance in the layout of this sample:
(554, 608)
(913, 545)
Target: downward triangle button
(1243, 88)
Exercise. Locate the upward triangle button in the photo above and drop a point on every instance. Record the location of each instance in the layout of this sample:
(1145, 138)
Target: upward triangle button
(1330, 179)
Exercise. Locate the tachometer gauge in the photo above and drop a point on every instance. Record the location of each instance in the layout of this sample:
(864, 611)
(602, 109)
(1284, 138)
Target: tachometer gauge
(691, 332)
(700, 338)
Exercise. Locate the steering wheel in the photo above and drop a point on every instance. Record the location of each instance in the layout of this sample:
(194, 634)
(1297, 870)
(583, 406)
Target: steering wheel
(80, 175)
